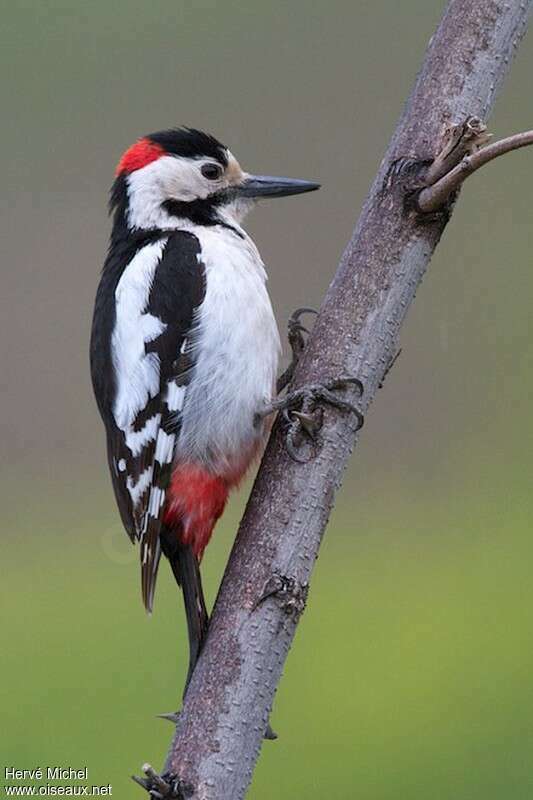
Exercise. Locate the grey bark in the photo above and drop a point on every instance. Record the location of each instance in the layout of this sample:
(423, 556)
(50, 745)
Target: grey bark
(225, 712)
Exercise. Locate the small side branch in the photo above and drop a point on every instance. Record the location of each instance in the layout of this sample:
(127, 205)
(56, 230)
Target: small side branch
(435, 196)
(163, 787)
(459, 141)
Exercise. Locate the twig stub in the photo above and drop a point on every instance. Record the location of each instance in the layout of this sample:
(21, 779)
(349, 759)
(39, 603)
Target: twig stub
(459, 140)
(437, 193)
(163, 787)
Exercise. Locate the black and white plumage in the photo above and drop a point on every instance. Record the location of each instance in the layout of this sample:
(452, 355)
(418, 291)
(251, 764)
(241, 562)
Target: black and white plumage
(184, 348)
(146, 364)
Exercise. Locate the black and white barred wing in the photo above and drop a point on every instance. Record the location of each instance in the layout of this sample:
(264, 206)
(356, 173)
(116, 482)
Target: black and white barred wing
(156, 299)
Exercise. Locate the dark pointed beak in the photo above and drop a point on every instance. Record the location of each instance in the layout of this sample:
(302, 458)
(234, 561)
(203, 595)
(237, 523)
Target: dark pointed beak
(268, 186)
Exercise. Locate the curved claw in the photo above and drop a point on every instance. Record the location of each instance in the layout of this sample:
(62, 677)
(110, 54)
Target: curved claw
(327, 396)
(296, 336)
(340, 383)
(287, 415)
(360, 419)
(296, 327)
(295, 316)
(292, 448)
(301, 411)
(308, 422)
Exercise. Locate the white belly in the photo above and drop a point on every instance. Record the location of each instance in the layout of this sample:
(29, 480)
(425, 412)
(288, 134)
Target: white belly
(236, 350)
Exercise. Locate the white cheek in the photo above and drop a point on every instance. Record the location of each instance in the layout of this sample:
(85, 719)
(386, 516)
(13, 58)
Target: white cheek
(168, 177)
(193, 189)
(185, 181)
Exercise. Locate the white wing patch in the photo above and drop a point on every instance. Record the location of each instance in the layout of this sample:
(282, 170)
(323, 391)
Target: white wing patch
(157, 498)
(138, 489)
(137, 440)
(137, 372)
(137, 375)
(164, 449)
(164, 455)
(175, 396)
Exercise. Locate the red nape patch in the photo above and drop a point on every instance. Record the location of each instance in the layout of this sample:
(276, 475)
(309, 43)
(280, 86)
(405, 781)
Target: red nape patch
(195, 501)
(139, 155)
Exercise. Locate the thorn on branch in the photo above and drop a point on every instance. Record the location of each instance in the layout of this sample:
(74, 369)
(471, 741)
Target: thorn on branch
(171, 716)
(390, 365)
(291, 594)
(163, 787)
(270, 734)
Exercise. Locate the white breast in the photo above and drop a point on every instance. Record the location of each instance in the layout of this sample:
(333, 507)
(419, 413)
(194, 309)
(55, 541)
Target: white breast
(237, 350)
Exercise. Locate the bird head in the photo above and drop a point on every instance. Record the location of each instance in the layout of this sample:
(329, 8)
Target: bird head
(185, 174)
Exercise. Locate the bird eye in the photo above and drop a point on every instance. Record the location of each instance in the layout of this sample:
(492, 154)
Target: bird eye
(211, 171)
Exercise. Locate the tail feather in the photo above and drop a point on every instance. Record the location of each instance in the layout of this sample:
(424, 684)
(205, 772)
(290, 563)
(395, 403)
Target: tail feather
(186, 571)
(150, 557)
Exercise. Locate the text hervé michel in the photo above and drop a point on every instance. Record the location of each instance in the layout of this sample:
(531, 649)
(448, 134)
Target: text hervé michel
(50, 773)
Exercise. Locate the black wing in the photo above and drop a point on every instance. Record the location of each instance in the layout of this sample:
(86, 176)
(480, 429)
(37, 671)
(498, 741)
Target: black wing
(141, 443)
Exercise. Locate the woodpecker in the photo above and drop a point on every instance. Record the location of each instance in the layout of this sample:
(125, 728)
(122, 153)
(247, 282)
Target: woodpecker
(184, 348)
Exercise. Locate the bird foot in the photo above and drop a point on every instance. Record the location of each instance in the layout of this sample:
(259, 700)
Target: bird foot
(295, 335)
(163, 787)
(302, 410)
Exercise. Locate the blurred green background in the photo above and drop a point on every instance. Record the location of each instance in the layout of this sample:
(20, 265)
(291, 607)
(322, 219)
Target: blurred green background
(411, 674)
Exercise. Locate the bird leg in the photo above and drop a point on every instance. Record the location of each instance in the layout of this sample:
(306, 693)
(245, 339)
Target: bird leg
(302, 410)
(295, 335)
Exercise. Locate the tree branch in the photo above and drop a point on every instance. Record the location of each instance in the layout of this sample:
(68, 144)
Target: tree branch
(225, 712)
(435, 196)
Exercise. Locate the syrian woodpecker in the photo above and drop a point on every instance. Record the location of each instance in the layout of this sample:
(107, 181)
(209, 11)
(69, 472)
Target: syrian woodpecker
(184, 348)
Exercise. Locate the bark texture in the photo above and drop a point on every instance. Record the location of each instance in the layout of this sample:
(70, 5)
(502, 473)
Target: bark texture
(225, 713)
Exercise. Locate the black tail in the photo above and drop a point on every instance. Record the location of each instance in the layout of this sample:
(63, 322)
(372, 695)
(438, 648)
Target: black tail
(187, 573)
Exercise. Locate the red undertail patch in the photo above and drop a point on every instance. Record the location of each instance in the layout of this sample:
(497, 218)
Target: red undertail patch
(195, 501)
(139, 155)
